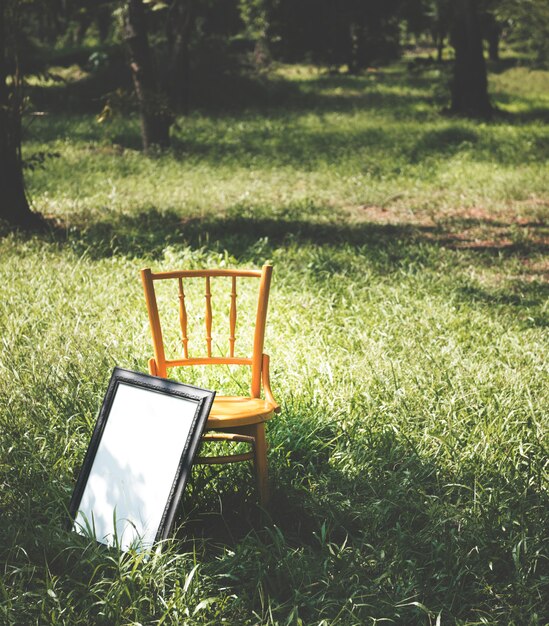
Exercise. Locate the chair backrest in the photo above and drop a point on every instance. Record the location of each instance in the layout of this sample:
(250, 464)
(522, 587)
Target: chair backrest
(160, 364)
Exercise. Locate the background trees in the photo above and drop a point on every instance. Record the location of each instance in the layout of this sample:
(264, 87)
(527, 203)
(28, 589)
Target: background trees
(152, 101)
(527, 26)
(182, 52)
(14, 206)
(469, 83)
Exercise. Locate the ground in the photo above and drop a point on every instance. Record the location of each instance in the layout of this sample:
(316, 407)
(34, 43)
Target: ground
(408, 338)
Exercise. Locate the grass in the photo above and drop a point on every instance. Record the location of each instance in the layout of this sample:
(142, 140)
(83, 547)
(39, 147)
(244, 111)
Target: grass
(408, 338)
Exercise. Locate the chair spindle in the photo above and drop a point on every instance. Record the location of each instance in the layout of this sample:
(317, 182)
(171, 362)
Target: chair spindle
(183, 319)
(232, 336)
(208, 316)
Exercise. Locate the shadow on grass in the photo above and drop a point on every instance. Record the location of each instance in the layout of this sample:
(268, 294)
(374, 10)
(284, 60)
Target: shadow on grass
(382, 149)
(352, 515)
(264, 124)
(243, 92)
(291, 146)
(502, 65)
(527, 296)
(445, 141)
(527, 115)
(385, 248)
(284, 139)
(149, 233)
(359, 519)
(532, 115)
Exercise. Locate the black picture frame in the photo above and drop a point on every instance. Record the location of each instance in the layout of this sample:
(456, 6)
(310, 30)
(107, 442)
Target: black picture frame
(140, 455)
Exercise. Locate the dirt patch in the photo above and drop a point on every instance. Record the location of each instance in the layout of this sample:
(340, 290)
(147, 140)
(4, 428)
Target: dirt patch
(535, 270)
(514, 227)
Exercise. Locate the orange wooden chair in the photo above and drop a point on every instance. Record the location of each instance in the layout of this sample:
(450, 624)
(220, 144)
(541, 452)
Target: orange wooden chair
(232, 418)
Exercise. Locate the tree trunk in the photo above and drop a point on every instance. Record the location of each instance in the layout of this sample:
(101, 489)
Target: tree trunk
(493, 46)
(352, 49)
(440, 47)
(470, 85)
(493, 33)
(179, 28)
(14, 206)
(83, 20)
(154, 111)
(103, 18)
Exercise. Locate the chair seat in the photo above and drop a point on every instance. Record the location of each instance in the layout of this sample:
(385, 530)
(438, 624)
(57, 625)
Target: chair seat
(228, 411)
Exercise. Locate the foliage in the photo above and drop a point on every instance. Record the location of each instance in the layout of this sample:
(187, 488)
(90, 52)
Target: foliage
(407, 331)
(352, 32)
(529, 26)
(212, 45)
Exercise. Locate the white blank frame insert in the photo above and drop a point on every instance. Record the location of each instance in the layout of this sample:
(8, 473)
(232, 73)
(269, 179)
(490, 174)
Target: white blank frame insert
(139, 459)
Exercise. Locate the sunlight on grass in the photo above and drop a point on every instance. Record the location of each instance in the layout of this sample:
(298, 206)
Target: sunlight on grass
(408, 339)
(353, 151)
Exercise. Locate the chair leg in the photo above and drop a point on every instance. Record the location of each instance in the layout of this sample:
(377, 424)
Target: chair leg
(260, 462)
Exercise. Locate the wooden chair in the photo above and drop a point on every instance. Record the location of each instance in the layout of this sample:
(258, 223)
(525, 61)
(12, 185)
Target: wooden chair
(232, 418)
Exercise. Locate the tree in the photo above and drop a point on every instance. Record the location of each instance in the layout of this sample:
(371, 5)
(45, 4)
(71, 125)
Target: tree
(14, 205)
(161, 77)
(179, 28)
(469, 88)
(154, 111)
(441, 22)
(528, 26)
(491, 30)
(356, 33)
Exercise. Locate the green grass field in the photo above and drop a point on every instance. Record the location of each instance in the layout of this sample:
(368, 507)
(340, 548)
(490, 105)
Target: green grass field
(408, 339)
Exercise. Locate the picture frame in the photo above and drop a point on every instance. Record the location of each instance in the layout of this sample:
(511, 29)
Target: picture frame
(139, 459)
